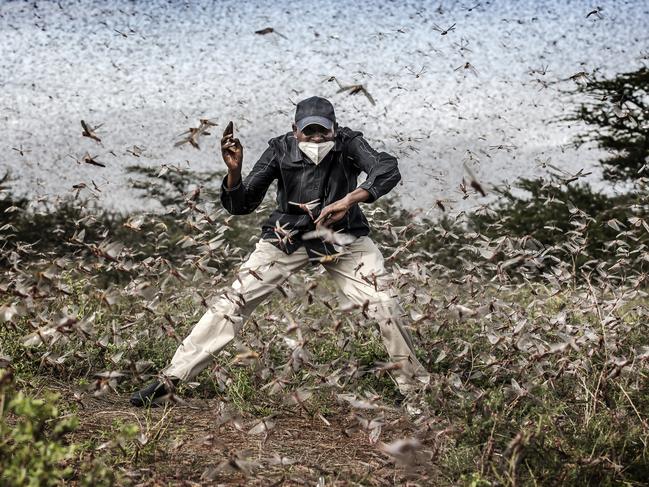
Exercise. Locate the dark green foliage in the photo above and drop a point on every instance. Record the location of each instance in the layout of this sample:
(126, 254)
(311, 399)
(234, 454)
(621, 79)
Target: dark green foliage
(617, 113)
(34, 450)
(561, 214)
(173, 186)
(46, 229)
(177, 189)
(551, 212)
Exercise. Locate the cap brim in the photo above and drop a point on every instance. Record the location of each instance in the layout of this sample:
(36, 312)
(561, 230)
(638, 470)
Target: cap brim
(322, 121)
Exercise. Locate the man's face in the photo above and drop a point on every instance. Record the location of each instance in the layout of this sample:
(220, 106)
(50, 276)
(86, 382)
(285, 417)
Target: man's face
(314, 133)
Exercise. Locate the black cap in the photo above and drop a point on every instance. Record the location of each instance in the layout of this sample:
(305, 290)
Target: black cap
(316, 110)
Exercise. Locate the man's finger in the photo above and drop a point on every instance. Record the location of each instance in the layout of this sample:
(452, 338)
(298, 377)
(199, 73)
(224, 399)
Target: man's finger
(330, 219)
(230, 141)
(334, 216)
(323, 216)
(233, 145)
(229, 129)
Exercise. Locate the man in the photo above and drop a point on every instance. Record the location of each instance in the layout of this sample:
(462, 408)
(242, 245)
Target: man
(317, 220)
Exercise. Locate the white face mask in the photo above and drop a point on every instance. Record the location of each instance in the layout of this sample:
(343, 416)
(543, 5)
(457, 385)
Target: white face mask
(316, 152)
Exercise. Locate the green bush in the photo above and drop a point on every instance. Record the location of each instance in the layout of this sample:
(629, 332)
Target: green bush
(34, 450)
(571, 221)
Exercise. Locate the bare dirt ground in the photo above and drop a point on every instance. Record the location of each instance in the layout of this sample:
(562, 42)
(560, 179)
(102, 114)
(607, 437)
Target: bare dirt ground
(194, 444)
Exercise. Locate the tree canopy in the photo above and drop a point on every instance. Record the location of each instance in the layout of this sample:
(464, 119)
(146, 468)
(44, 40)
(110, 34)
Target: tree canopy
(616, 110)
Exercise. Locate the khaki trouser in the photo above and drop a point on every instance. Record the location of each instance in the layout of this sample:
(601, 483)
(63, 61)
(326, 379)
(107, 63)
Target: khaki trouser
(227, 314)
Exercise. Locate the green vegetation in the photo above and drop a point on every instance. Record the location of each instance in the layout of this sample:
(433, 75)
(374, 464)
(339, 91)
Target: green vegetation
(616, 111)
(34, 450)
(534, 381)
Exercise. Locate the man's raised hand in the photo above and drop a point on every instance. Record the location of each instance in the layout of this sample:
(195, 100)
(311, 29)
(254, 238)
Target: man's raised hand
(231, 150)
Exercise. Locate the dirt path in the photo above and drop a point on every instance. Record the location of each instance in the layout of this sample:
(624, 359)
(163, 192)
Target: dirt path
(195, 444)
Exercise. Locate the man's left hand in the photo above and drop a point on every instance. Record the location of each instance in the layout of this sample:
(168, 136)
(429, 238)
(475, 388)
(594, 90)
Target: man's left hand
(334, 212)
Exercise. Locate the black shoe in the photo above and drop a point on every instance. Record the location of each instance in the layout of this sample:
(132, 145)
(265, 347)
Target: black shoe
(150, 394)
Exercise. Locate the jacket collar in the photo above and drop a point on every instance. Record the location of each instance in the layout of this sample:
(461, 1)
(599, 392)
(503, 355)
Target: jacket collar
(296, 153)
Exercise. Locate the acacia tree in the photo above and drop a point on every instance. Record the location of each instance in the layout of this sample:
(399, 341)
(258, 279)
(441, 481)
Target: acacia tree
(617, 111)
